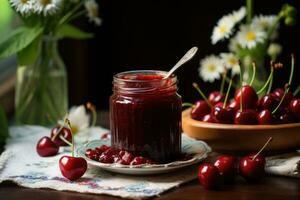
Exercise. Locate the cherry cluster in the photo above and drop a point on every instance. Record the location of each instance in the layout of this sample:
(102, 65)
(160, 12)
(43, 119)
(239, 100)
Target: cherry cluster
(106, 154)
(71, 167)
(277, 107)
(225, 169)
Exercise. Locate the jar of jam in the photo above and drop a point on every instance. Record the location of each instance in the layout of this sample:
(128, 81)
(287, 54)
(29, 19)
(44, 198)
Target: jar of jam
(145, 114)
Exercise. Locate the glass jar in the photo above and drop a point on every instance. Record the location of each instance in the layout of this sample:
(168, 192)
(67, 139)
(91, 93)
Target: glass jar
(41, 87)
(145, 114)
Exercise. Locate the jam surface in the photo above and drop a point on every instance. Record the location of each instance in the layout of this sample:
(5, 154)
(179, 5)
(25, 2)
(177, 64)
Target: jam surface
(147, 122)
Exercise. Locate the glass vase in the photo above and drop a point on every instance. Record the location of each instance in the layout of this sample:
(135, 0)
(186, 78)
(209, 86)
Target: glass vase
(41, 88)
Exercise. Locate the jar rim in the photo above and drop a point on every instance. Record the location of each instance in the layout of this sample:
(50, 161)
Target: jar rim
(118, 77)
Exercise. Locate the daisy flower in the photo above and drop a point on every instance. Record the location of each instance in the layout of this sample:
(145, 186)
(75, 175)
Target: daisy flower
(238, 15)
(47, 7)
(250, 36)
(22, 6)
(264, 22)
(274, 49)
(93, 11)
(230, 61)
(79, 119)
(210, 68)
(223, 29)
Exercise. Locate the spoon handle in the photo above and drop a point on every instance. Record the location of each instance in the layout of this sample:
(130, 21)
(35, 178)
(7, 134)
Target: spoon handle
(188, 56)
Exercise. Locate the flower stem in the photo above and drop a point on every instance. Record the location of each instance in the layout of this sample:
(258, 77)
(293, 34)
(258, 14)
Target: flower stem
(297, 91)
(202, 94)
(92, 108)
(223, 82)
(187, 104)
(227, 93)
(253, 73)
(249, 10)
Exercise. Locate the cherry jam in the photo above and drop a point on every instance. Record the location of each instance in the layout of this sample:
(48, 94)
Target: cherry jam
(145, 115)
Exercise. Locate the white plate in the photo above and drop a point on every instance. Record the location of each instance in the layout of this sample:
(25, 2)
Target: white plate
(190, 146)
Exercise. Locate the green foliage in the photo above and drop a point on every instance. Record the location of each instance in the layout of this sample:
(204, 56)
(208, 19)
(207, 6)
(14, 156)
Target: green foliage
(29, 54)
(70, 31)
(18, 40)
(3, 127)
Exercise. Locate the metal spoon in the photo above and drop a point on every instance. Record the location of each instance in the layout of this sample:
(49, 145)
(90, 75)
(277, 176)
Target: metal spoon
(187, 56)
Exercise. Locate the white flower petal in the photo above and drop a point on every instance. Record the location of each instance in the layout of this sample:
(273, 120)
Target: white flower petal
(93, 11)
(24, 7)
(210, 68)
(231, 62)
(48, 7)
(249, 36)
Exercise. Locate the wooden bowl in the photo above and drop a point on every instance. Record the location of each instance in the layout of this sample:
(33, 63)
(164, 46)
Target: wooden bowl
(242, 138)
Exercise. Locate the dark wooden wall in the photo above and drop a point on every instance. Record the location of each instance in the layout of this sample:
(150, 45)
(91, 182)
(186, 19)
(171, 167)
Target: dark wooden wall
(154, 34)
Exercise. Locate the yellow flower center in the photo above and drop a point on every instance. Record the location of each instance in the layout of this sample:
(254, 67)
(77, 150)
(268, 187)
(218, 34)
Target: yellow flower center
(45, 2)
(211, 68)
(223, 29)
(232, 61)
(94, 11)
(74, 129)
(250, 36)
(24, 1)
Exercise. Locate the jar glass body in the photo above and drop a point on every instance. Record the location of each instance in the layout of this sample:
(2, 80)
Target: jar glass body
(41, 87)
(145, 115)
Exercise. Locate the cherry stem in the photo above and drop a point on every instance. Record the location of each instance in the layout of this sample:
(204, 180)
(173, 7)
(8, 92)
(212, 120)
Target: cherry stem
(297, 91)
(292, 69)
(269, 140)
(270, 84)
(57, 133)
(92, 108)
(64, 139)
(286, 88)
(253, 74)
(267, 82)
(67, 121)
(233, 84)
(241, 89)
(187, 104)
(227, 94)
(202, 94)
(224, 75)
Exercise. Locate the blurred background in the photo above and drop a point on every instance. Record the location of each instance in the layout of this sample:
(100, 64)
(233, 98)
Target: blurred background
(148, 34)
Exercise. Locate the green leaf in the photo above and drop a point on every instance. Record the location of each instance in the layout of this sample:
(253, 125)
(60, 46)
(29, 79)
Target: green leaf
(29, 54)
(3, 127)
(70, 31)
(18, 40)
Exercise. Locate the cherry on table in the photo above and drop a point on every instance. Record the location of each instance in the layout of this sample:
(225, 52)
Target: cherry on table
(249, 96)
(64, 132)
(247, 116)
(46, 147)
(209, 176)
(252, 169)
(200, 109)
(72, 167)
(227, 166)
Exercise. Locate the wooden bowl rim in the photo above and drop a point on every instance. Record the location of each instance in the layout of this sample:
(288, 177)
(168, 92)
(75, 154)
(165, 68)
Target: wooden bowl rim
(186, 116)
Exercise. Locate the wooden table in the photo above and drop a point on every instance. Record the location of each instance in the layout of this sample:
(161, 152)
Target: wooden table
(270, 187)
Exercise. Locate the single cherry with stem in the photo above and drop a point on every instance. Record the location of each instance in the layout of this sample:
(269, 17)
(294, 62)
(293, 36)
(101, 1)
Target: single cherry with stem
(201, 107)
(209, 176)
(252, 167)
(58, 132)
(72, 167)
(227, 166)
(245, 116)
(265, 117)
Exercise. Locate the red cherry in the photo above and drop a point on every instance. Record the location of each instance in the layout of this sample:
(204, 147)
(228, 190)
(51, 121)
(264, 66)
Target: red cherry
(234, 105)
(295, 107)
(72, 167)
(227, 167)
(252, 169)
(200, 109)
(92, 154)
(279, 92)
(209, 176)
(223, 115)
(209, 118)
(249, 97)
(102, 149)
(138, 160)
(124, 157)
(65, 132)
(265, 117)
(247, 116)
(109, 156)
(46, 147)
(268, 101)
(216, 97)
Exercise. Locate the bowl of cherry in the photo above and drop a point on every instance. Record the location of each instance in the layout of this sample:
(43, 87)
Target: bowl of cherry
(243, 123)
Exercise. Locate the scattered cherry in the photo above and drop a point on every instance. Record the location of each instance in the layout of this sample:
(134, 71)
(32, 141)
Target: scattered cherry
(72, 167)
(46, 147)
(227, 166)
(209, 176)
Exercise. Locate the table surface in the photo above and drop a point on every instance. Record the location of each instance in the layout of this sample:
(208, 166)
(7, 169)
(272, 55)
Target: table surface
(271, 187)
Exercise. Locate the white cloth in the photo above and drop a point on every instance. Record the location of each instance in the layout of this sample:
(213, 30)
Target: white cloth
(285, 165)
(21, 164)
